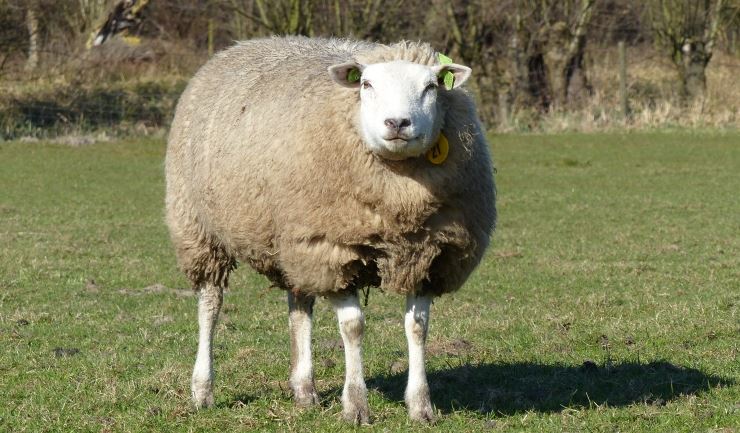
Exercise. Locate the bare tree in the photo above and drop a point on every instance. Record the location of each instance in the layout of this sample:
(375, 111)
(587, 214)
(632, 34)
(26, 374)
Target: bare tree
(546, 49)
(32, 25)
(687, 30)
(359, 18)
(284, 17)
(467, 30)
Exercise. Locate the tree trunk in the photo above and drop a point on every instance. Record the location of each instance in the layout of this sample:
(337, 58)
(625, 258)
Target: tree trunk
(576, 87)
(32, 24)
(565, 47)
(692, 71)
(537, 78)
(547, 67)
(529, 83)
(688, 31)
(466, 33)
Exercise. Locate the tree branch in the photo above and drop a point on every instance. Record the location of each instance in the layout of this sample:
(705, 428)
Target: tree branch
(710, 33)
(249, 16)
(579, 35)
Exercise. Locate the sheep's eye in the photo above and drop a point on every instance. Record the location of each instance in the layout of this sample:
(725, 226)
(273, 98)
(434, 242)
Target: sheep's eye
(366, 85)
(430, 86)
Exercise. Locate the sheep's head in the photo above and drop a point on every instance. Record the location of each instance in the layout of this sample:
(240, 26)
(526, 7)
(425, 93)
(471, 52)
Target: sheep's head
(399, 113)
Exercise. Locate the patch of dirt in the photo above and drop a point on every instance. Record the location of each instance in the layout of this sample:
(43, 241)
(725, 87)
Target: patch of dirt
(507, 254)
(64, 352)
(181, 412)
(154, 411)
(393, 321)
(91, 286)
(183, 292)
(397, 367)
(7, 210)
(107, 424)
(491, 424)
(335, 344)
(670, 248)
(572, 162)
(454, 347)
(226, 323)
(245, 353)
(161, 320)
(157, 288)
(654, 401)
(229, 309)
(564, 326)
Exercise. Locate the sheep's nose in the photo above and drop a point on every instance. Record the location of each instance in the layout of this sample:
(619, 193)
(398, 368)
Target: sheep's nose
(397, 124)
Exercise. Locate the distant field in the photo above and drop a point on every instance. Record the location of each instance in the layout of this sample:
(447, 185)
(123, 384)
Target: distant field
(608, 302)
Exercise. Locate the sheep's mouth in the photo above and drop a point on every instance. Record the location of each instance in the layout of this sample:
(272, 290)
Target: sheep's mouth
(400, 148)
(400, 140)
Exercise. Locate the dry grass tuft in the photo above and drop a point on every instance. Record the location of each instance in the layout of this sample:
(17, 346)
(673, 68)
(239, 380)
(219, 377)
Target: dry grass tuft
(652, 94)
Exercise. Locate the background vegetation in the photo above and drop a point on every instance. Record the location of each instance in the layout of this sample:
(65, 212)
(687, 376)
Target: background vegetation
(539, 64)
(608, 301)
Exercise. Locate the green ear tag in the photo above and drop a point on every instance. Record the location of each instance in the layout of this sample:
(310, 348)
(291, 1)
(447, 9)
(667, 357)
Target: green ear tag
(353, 75)
(448, 77)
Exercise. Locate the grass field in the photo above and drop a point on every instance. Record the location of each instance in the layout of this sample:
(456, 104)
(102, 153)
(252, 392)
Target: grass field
(608, 301)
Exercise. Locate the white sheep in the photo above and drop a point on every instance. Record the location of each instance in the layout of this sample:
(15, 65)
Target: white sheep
(329, 165)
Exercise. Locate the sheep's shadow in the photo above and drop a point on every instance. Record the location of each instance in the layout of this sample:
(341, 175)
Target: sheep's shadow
(517, 387)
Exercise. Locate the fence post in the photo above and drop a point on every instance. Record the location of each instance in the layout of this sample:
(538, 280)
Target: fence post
(624, 107)
(503, 108)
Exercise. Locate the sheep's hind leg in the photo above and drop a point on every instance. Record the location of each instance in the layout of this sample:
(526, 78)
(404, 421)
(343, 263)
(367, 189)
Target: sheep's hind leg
(300, 310)
(351, 326)
(210, 298)
(417, 390)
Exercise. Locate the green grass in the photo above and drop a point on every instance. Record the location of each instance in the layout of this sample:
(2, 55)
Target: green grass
(608, 301)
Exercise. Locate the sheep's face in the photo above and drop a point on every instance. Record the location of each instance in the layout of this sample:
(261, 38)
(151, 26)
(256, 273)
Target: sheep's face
(399, 115)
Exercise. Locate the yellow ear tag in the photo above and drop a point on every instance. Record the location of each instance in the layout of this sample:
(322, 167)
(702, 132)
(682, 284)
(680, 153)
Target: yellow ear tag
(438, 154)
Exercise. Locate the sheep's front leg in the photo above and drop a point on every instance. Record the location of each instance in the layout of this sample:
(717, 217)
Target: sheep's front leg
(417, 389)
(300, 308)
(209, 304)
(352, 326)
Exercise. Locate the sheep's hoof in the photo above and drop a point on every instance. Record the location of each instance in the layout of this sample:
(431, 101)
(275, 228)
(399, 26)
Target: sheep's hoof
(357, 415)
(305, 396)
(422, 415)
(202, 398)
(421, 410)
(354, 403)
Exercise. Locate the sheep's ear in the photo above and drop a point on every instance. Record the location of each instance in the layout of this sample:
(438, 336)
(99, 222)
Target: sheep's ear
(346, 74)
(452, 75)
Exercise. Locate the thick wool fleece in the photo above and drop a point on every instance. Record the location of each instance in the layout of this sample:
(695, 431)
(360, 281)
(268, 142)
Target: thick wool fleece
(265, 165)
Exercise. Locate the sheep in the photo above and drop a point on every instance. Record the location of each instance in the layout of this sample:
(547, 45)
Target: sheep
(329, 166)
